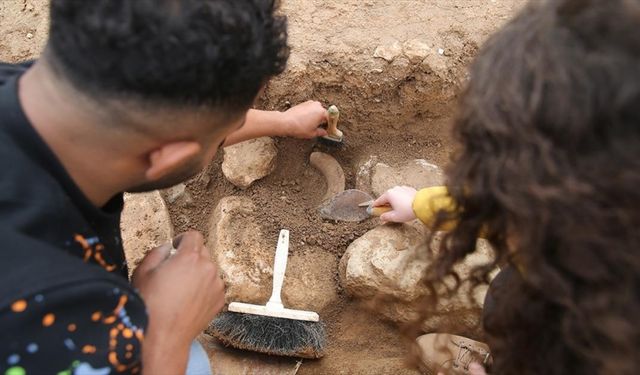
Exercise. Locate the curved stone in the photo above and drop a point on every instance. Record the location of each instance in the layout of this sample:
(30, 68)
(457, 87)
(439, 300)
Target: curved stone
(332, 172)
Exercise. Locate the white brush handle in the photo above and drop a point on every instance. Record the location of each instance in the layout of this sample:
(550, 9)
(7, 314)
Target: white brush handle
(279, 267)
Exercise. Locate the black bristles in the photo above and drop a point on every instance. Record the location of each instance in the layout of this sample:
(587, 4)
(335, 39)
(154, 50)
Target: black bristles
(264, 334)
(330, 141)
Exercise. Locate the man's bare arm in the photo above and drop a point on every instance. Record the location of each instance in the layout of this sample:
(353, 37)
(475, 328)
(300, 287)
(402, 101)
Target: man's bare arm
(301, 121)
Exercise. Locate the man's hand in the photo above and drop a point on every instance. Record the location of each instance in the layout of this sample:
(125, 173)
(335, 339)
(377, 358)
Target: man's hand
(401, 200)
(183, 293)
(303, 120)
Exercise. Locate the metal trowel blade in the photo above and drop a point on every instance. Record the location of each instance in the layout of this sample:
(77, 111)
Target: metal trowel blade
(345, 206)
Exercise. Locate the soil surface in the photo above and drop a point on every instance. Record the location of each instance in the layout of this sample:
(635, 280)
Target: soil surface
(397, 110)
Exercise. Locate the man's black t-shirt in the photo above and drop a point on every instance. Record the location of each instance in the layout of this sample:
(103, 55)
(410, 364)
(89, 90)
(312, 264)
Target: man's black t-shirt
(66, 306)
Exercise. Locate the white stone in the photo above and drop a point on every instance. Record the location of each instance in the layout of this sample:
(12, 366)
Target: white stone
(236, 245)
(310, 282)
(363, 174)
(249, 161)
(145, 224)
(178, 193)
(417, 173)
(416, 50)
(388, 52)
(389, 262)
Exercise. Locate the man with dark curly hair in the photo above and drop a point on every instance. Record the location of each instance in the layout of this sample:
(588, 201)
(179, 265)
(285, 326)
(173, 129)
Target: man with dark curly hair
(127, 96)
(548, 170)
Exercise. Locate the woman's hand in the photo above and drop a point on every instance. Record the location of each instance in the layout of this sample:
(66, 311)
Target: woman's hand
(400, 198)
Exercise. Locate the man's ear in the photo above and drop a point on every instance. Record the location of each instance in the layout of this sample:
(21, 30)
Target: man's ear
(170, 157)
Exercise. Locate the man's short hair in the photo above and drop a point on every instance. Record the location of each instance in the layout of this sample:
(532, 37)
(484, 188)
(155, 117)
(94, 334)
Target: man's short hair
(179, 52)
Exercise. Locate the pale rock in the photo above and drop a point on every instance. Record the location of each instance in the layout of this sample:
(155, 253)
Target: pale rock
(249, 161)
(388, 52)
(416, 50)
(363, 174)
(307, 286)
(145, 224)
(177, 193)
(245, 257)
(236, 245)
(389, 262)
(417, 173)
(438, 65)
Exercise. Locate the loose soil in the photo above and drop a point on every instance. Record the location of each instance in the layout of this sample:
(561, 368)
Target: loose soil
(397, 111)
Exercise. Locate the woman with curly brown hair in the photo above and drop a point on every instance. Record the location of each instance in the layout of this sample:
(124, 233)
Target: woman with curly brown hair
(548, 170)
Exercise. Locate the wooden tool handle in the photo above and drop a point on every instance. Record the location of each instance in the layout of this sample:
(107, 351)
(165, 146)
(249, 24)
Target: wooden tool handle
(279, 268)
(333, 115)
(379, 210)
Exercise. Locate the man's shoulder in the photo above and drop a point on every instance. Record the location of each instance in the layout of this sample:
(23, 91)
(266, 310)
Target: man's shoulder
(56, 310)
(8, 70)
(29, 265)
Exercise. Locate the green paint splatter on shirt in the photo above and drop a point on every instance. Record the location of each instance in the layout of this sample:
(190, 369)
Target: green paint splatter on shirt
(15, 370)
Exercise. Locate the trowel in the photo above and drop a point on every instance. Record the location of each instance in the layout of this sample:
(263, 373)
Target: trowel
(351, 205)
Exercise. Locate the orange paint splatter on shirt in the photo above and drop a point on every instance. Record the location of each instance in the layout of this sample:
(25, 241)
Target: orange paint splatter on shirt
(127, 333)
(113, 359)
(19, 306)
(129, 347)
(48, 320)
(88, 349)
(96, 316)
(71, 327)
(121, 303)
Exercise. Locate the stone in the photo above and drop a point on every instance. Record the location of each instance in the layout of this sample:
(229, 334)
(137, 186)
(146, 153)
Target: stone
(415, 50)
(388, 263)
(245, 257)
(332, 172)
(236, 245)
(417, 173)
(388, 52)
(308, 287)
(249, 161)
(145, 224)
(178, 193)
(363, 174)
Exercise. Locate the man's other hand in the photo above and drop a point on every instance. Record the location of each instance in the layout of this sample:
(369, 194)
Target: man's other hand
(183, 293)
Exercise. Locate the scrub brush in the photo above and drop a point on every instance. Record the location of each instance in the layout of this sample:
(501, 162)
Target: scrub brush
(271, 328)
